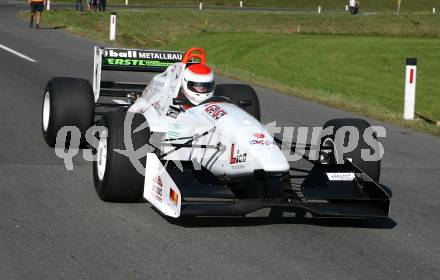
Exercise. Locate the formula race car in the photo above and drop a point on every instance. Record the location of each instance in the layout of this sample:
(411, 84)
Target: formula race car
(213, 159)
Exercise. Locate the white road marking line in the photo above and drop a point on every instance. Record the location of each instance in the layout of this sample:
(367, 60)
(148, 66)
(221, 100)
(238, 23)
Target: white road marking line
(121, 102)
(17, 53)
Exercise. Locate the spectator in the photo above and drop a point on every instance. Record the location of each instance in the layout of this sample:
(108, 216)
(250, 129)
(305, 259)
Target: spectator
(93, 5)
(354, 7)
(37, 8)
(79, 5)
(102, 5)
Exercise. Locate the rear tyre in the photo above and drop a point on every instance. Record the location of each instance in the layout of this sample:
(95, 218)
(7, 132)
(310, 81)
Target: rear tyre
(236, 93)
(116, 179)
(67, 102)
(329, 143)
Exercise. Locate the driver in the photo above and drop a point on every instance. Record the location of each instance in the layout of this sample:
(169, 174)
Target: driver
(197, 84)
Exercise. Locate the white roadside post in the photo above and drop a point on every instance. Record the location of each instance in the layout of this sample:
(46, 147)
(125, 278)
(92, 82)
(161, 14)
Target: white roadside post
(346, 8)
(319, 9)
(48, 5)
(126, 2)
(410, 88)
(241, 4)
(433, 10)
(112, 26)
(200, 6)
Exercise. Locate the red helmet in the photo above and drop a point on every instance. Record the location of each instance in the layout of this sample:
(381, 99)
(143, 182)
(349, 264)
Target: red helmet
(198, 83)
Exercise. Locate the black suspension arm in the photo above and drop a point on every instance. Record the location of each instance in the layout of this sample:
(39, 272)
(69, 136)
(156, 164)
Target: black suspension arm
(187, 144)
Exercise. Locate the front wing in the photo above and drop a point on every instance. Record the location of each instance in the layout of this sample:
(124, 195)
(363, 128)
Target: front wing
(325, 190)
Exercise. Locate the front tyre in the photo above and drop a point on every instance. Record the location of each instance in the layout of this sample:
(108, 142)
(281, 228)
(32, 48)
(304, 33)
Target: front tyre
(67, 102)
(115, 177)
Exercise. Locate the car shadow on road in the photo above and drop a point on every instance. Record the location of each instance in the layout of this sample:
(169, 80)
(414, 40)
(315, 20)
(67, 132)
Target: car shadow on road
(200, 222)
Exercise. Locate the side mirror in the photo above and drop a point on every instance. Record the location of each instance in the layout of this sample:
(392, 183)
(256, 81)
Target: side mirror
(179, 101)
(245, 103)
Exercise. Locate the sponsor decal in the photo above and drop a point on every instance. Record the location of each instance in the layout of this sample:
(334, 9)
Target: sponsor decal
(173, 134)
(173, 112)
(236, 157)
(341, 176)
(237, 166)
(156, 190)
(173, 131)
(261, 142)
(174, 197)
(134, 62)
(215, 111)
(157, 55)
(259, 135)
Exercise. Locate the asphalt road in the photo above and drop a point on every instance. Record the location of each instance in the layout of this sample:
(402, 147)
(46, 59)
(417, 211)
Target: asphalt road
(53, 226)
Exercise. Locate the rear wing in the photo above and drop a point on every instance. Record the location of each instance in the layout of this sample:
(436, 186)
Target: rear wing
(117, 59)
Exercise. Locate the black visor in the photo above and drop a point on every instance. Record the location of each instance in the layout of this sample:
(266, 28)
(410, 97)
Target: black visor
(201, 87)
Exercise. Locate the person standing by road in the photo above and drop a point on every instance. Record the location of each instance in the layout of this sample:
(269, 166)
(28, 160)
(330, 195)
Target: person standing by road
(37, 7)
(102, 5)
(93, 5)
(354, 7)
(79, 5)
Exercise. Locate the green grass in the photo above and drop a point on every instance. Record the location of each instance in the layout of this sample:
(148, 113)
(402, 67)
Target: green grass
(355, 63)
(366, 5)
(363, 74)
(156, 28)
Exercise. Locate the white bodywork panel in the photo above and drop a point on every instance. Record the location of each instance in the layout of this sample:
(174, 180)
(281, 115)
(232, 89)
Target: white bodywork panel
(158, 96)
(159, 189)
(244, 145)
(97, 64)
(227, 140)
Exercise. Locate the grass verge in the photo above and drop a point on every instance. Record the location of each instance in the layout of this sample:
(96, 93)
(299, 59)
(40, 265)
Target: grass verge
(365, 5)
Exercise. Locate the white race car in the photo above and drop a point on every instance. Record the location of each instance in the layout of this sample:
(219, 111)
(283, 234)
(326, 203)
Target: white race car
(214, 159)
